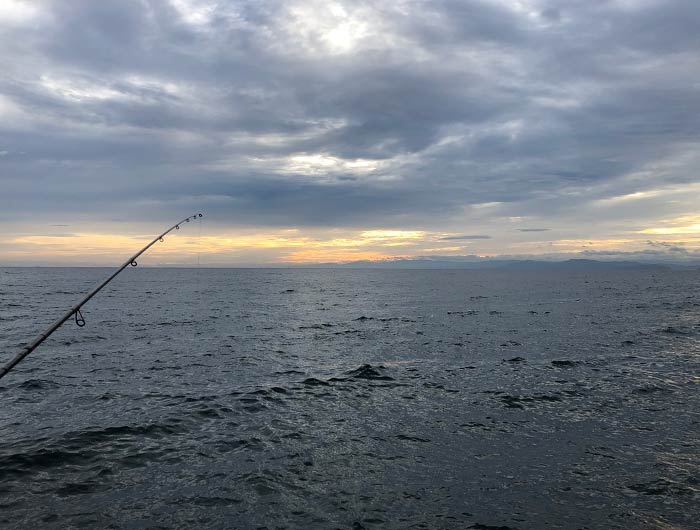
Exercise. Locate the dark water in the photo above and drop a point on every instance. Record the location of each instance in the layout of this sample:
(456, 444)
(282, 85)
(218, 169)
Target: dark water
(353, 399)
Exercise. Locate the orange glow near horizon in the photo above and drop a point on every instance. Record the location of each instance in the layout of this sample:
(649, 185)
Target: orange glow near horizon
(333, 256)
(291, 245)
(685, 225)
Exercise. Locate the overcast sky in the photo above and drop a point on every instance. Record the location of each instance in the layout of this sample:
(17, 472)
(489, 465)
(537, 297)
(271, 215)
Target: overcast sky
(339, 130)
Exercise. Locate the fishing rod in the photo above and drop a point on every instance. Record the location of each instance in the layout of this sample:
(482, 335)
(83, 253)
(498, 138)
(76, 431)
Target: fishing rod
(75, 310)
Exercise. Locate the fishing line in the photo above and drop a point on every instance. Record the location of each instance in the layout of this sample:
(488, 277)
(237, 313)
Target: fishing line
(196, 328)
(199, 242)
(75, 311)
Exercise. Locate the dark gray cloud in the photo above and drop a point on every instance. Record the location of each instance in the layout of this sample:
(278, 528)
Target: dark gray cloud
(408, 114)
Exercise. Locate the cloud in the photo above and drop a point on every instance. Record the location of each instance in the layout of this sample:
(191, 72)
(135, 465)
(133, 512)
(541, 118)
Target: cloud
(409, 115)
(670, 248)
(451, 238)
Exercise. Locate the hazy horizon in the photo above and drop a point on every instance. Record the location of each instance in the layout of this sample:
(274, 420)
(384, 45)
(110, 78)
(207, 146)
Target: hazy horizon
(431, 262)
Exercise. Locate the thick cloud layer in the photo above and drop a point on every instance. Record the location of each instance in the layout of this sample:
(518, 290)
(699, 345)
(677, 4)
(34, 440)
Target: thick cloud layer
(449, 117)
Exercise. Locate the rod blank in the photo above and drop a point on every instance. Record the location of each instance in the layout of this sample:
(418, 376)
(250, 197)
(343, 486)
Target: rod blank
(75, 310)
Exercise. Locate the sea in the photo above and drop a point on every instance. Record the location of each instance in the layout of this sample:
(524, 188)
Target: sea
(352, 399)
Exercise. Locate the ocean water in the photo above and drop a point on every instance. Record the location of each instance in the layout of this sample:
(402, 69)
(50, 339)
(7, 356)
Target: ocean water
(352, 399)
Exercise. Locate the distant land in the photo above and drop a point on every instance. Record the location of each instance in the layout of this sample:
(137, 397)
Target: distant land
(438, 262)
(508, 264)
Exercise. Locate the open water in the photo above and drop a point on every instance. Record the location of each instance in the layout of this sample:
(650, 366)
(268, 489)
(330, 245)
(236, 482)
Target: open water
(350, 399)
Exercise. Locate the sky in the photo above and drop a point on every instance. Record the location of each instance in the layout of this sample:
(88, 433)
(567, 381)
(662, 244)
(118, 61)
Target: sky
(332, 131)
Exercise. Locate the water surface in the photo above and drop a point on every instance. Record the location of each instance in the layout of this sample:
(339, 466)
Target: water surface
(352, 399)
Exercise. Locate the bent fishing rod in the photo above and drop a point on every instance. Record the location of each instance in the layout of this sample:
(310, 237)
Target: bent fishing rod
(75, 310)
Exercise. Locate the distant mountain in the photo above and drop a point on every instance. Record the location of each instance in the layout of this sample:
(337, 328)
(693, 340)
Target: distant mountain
(583, 264)
(485, 263)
